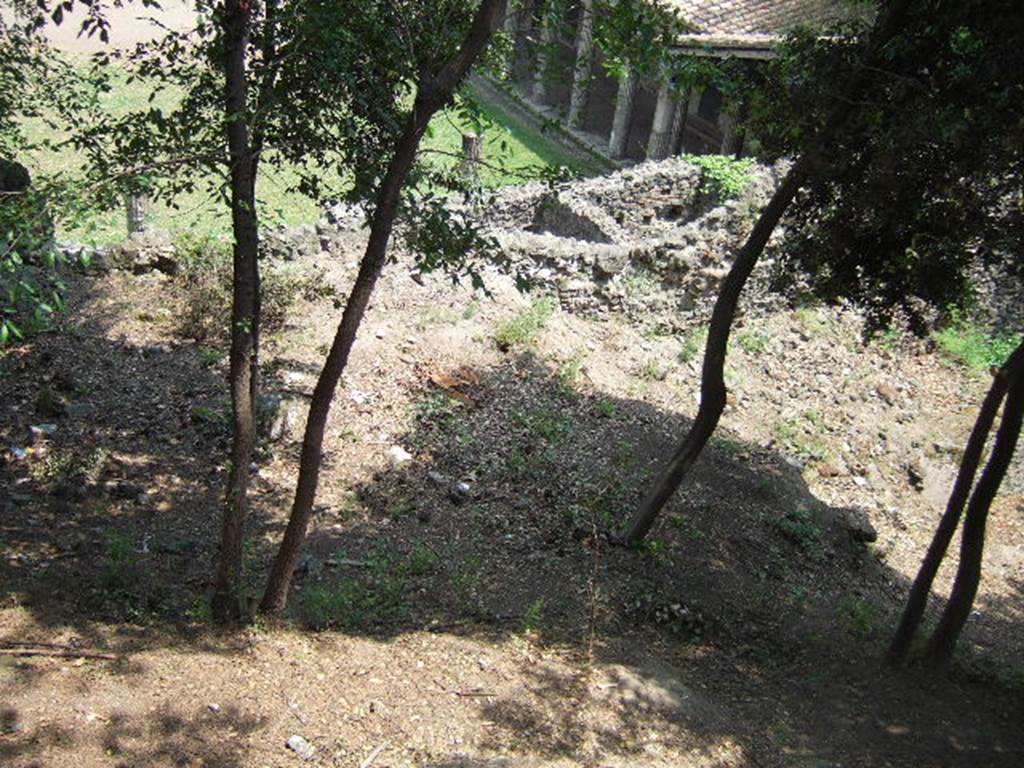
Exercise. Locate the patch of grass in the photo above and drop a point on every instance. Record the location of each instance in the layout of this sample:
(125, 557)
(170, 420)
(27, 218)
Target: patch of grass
(216, 420)
(210, 356)
(514, 148)
(687, 528)
(606, 408)
(860, 616)
(570, 371)
(201, 611)
(657, 550)
(972, 345)
(640, 282)
(729, 447)
(120, 564)
(435, 315)
(421, 561)
(353, 603)
(543, 424)
(439, 415)
(513, 151)
(522, 329)
(803, 435)
(890, 340)
(692, 344)
(803, 527)
(725, 176)
(811, 321)
(533, 617)
(652, 370)
(753, 343)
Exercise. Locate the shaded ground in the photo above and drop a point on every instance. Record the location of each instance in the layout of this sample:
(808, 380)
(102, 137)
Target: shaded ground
(488, 624)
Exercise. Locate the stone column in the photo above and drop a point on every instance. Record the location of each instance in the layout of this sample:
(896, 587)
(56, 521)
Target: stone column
(511, 29)
(584, 60)
(659, 143)
(678, 121)
(691, 108)
(548, 26)
(623, 114)
(523, 21)
(730, 138)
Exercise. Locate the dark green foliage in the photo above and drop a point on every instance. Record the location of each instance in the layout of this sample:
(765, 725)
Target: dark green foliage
(926, 176)
(34, 83)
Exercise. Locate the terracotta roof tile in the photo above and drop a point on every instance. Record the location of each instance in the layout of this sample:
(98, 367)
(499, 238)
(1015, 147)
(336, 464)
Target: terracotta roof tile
(756, 17)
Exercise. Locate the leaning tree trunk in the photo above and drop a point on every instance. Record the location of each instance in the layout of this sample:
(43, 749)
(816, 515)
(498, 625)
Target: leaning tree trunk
(918, 598)
(972, 544)
(433, 92)
(244, 311)
(713, 390)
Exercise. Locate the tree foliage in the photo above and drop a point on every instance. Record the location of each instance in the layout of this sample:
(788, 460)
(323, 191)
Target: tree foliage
(926, 177)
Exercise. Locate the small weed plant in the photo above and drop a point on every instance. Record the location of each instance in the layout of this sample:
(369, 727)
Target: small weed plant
(753, 343)
(533, 617)
(972, 345)
(803, 527)
(725, 176)
(522, 330)
(692, 344)
(204, 288)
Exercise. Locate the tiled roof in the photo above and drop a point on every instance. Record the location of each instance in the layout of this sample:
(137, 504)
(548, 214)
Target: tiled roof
(756, 18)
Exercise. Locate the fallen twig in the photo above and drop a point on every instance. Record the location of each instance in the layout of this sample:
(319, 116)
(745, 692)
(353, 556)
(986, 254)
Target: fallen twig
(57, 653)
(373, 756)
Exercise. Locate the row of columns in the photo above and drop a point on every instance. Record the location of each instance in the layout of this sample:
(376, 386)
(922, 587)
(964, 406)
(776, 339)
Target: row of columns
(670, 115)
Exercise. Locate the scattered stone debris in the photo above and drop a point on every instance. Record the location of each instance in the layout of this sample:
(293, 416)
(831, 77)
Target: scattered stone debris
(301, 747)
(151, 250)
(399, 456)
(857, 523)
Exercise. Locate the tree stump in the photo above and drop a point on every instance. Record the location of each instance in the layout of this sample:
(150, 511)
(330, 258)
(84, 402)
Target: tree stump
(472, 155)
(137, 207)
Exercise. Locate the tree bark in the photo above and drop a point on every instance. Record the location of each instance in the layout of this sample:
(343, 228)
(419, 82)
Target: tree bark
(972, 544)
(917, 600)
(244, 312)
(433, 92)
(713, 389)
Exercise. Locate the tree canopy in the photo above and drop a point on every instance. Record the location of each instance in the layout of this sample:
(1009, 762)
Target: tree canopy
(925, 178)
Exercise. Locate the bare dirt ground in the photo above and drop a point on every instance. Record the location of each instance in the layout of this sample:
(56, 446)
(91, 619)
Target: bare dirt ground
(489, 624)
(130, 24)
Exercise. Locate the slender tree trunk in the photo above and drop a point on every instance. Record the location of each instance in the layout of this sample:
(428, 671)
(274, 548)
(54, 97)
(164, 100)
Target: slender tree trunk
(917, 600)
(972, 544)
(433, 93)
(245, 309)
(713, 390)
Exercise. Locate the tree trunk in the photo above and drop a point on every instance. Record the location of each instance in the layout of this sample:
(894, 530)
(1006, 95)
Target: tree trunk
(972, 544)
(433, 92)
(918, 599)
(713, 390)
(244, 312)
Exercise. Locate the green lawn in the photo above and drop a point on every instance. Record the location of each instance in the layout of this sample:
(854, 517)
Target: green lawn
(513, 154)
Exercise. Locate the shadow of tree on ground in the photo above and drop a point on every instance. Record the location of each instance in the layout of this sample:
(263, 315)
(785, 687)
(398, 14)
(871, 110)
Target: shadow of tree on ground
(746, 631)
